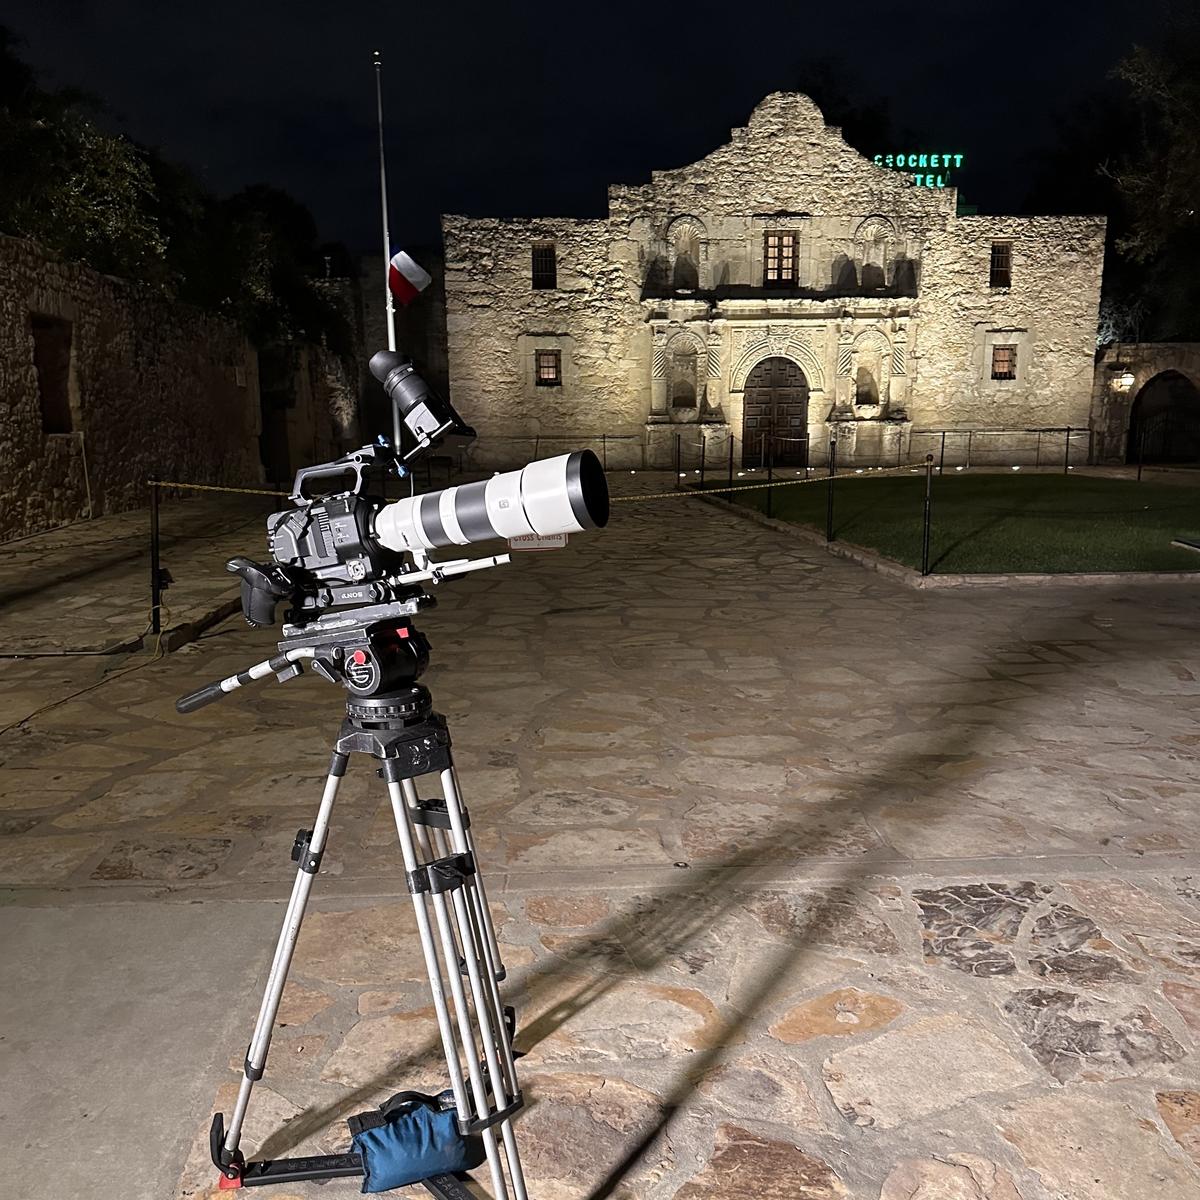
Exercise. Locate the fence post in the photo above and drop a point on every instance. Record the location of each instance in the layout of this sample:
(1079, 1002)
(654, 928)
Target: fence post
(677, 437)
(770, 444)
(927, 515)
(942, 456)
(1067, 452)
(829, 490)
(155, 567)
(604, 450)
(970, 432)
(1037, 454)
(703, 448)
(729, 494)
(537, 441)
(1141, 451)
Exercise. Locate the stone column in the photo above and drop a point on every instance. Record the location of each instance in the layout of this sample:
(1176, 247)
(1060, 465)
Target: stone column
(658, 377)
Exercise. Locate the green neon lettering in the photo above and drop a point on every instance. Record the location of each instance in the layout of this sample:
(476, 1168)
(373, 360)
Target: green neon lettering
(879, 160)
(933, 161)
(958, 160)
(922, 160)
(890, 160)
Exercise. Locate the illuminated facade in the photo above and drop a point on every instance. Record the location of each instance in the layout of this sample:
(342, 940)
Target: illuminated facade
(783, 291)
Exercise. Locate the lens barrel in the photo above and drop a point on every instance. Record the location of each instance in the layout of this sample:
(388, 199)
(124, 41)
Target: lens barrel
(566, 494)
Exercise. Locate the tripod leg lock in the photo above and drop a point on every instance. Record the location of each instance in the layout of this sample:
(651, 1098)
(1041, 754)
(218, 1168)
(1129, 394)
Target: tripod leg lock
(309, 860)
(443, 874)
(253, 1073)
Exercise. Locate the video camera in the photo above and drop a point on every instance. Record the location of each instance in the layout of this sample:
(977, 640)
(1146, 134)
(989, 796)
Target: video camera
(352, 567)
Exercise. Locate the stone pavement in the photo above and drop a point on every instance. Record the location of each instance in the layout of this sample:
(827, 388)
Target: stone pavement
(811, 887)
(86, 586)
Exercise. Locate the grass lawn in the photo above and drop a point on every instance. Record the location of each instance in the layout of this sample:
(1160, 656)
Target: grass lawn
(992, 523)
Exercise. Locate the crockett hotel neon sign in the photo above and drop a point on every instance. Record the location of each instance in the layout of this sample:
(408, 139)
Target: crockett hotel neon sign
(928, 170)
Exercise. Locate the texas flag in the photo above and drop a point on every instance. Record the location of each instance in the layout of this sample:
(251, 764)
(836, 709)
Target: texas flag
(406, 278)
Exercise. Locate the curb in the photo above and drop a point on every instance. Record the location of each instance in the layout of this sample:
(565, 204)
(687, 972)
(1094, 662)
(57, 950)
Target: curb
(914, 579)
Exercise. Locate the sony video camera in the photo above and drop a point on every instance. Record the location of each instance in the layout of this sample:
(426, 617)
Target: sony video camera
(337, 547)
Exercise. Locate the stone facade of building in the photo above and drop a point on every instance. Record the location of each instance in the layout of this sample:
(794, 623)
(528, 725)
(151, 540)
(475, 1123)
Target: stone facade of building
(782, 286)
(104, 385)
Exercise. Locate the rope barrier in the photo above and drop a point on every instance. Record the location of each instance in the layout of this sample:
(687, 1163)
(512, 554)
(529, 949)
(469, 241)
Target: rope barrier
(873, 472)
(737, 487)
(209, 487)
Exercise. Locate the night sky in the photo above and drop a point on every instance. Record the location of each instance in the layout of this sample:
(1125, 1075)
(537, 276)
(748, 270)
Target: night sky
(529, 109)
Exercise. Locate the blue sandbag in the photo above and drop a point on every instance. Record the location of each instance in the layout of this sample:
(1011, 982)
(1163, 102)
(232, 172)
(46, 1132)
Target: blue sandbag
(412, 1137)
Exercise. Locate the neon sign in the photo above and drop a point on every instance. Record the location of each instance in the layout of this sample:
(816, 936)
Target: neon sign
(929, 170)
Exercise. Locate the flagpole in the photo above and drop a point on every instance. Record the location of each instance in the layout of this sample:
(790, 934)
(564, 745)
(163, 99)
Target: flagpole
(387, 239)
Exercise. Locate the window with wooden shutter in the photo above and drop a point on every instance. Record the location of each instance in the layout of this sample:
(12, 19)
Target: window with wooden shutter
(1004, 362)
(780, 258)
(547, 368)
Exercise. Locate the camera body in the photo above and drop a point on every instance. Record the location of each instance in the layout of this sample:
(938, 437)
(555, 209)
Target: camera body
(339, 548)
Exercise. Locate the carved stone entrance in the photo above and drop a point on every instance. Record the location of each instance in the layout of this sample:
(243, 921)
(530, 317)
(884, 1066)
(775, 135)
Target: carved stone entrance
(775, 414)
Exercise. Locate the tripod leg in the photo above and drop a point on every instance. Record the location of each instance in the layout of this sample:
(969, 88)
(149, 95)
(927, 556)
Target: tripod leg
(402, 792)
(310, 862)
(475, 921)
(480, 957)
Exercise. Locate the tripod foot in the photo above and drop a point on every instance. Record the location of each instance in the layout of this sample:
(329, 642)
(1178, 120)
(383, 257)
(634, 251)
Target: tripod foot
(230, 1165)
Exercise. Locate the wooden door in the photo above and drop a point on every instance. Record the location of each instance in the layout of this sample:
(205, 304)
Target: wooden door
(775, 408)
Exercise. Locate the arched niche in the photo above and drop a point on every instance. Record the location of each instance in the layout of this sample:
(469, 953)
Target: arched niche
(872, 375)
(873, 240)
(686, 358)
(687, 253)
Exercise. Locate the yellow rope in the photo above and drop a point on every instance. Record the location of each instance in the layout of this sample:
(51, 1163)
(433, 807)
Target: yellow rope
(874, 472)
(737, 487)
(208, 487)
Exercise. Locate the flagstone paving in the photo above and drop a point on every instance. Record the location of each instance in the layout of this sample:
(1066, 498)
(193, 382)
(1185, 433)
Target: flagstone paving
(810, 886)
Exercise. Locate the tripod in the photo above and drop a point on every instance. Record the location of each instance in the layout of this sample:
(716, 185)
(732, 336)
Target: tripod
(396, 726)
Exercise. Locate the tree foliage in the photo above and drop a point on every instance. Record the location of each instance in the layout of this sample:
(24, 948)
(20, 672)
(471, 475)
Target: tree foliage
(98, 198)
(1159, 177)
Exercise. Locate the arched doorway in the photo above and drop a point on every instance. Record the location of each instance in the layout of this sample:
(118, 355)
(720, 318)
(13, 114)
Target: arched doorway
(775, 408)
(1164, 422)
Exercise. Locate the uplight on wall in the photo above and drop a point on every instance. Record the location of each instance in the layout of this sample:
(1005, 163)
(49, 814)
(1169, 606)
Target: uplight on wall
(1124, 381)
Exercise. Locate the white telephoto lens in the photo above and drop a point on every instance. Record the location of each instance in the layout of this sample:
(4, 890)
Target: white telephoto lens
(566, 494)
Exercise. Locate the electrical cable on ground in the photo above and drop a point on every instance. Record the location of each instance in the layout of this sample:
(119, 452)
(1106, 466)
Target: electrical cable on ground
(45, 708)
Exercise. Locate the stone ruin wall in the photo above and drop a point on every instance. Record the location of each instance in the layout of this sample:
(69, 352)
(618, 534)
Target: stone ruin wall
(156, 389)
(1050, 313)
(494, 319)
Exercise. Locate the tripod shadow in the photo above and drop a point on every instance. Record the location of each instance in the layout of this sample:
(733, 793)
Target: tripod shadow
(680, 914)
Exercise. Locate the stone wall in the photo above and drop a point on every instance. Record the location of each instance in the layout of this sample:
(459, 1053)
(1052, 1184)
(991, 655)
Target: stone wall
(495, 320)
(1049, 313)
(309, 408)
(661, 310)
(154, 388)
